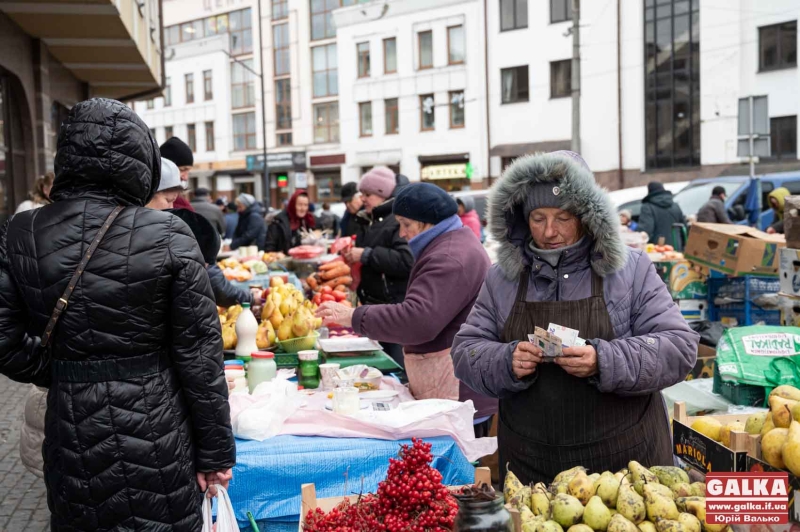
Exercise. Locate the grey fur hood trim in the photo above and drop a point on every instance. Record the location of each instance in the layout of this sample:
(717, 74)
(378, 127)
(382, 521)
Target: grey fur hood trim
(583, 197)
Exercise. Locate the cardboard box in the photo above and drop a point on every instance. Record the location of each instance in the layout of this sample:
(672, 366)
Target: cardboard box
(683, 279)
(693, 309)
(789, 271)
(734, 249)
(705, 454)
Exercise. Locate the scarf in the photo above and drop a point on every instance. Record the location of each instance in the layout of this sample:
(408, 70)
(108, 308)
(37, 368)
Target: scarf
(295, 221)
(552, 256)
(421, 241)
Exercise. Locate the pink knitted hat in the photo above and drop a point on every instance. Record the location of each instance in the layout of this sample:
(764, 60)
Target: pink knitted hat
(379, 181)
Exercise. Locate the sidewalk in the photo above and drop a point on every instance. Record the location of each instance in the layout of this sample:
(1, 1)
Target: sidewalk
(23, 501)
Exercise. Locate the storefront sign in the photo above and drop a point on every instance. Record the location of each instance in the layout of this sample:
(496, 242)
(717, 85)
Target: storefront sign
(283, 181)
(301, 180)
(295, 160)
(444, 171)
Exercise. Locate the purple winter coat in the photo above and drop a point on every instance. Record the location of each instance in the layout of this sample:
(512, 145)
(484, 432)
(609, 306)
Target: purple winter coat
(442, 288)
(654, 348)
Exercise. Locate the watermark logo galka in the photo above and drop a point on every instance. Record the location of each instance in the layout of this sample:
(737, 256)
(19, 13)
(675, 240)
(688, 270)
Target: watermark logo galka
(747, 498)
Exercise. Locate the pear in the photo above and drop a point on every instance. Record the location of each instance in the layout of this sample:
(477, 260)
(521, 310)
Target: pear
(540, 502)
(698, 509)
(791, 449)
(269, 308)
(768, 424)
(796, 412)
(596, 515)
(661, 490)
(690, 523)
(707, 426)
(669, 525)
(670, 475)
(781, 411)
(511, 485)
(557, 488)
(725, 432)
(229, 337)
(787, 392)
(276, 319)
(581, 487)
(772, 445)
(619, 524)
(285, 329)
(607, 487)
(755, 422)
(658, 505)
(568, 474)
(276, 281)
(699, 489)
(681, 502)
(521, 498)
(525, 514)
(640, 476)
(531, 524)
(566, 510)
(548, 526)
(580, 528)
(317, 323)
(682, 489)
(262, 336)
(647, 526)
(542, 487)
(271, 336)
(630, 504)
(300, 323)
(593, 477)
(276, 298)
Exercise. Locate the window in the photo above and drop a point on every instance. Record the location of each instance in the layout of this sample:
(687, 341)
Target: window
(427, 112)
(190, 31)
(167, 92)
(280, 9)
(513, 14)
(456, 109)
(425, 49)
(284, 139)
(283, 104)
(322, 19)
(191, 137)
(324, 67)
(208, 86)
(777, 46)
(189, 82)
(326, 122)
(783, 137)
(168, 133)
(242, 86)
(151, 103)
(390, 56)
(244, 131)
(561, 78)
(240, 26)
(514, 83)
(455, 45)
(363, 59)
(560, 10)
(365, 118)
(391, 110)
(280, 39)
(672, 83)
(172, 34)
(209, 136)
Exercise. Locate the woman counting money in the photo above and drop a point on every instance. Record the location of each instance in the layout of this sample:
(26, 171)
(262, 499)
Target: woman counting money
(561, 261)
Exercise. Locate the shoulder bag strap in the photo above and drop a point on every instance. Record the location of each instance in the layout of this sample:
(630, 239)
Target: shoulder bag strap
(61, 304)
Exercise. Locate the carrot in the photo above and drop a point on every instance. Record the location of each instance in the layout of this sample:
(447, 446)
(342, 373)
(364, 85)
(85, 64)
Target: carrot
(341, 270)
(330, 265)
(345, 280)
(312, 282)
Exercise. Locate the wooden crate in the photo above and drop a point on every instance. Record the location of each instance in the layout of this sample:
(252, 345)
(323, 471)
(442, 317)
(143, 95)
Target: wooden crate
(310, 502)
(705, 454)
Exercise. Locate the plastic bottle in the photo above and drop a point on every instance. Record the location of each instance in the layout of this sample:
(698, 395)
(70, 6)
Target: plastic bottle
(246, 330)
(262, 368)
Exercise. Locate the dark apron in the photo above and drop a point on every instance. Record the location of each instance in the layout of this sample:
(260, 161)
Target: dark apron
(563, 421)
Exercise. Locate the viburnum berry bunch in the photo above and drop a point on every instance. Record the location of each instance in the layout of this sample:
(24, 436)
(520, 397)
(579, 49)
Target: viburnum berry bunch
(411, 499)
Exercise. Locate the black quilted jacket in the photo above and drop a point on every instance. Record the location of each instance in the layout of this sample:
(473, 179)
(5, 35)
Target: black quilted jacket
(138, 400)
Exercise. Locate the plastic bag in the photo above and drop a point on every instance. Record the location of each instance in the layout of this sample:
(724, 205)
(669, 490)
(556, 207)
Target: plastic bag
(710, 331)
(226, 519)
(760, 355)
(261, 415)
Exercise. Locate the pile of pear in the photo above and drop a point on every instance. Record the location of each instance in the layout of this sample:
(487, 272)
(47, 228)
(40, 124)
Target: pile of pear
(286, 314)
(635, 499)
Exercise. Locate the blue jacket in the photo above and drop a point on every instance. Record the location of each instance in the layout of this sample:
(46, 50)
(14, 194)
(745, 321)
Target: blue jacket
(251, 229)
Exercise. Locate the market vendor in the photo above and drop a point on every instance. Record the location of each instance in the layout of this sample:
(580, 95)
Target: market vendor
(251, 229)
(285, 230)
(449, 268)
(561, 261)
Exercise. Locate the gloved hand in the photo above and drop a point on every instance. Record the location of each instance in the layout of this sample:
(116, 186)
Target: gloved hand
(335, 314)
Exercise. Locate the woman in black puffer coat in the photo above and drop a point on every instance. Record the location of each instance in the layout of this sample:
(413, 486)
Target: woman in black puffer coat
(137, 412)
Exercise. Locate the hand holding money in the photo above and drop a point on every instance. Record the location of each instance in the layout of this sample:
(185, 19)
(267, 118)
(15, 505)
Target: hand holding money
(579, 361)
(525, 358)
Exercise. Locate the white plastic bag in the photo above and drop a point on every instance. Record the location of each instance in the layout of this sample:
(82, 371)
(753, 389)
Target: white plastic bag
(226, 520)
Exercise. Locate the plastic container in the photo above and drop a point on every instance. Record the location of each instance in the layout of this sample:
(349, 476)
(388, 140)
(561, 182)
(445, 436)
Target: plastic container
(262, 368)
(345, 401)
(304, 343)
(475, 515)
(744, 291)
(246, 330)
(308, 371)
(738, 394)
(371, 382)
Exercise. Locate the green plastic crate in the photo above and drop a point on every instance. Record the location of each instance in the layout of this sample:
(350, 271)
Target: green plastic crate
(738, 394)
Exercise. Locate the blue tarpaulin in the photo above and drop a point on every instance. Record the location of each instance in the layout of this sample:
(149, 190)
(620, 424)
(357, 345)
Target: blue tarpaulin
(268, 474)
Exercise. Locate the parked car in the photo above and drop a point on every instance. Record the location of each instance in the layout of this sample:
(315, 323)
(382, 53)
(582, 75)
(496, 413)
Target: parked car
(631, 198)
(698, 192)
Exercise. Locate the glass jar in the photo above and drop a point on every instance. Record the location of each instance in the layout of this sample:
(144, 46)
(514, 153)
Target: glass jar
(475, 515)
(308, 370)
(262, 368)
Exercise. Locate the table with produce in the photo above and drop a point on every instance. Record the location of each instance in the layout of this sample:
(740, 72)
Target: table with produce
(318, 405)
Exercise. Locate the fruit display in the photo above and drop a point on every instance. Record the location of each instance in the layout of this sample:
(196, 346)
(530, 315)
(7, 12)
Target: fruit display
(234, 270)
(779, 429)
(331, 282)
(412, 497)
(636, 499)
(272, 256)
(227, 318)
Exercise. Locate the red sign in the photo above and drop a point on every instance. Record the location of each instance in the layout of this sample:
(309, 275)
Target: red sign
(747, 498)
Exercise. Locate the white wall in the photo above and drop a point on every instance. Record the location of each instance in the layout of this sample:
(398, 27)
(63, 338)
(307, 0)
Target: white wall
(403, 19)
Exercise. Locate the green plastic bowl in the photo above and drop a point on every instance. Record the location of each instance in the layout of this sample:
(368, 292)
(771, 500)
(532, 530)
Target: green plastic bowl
(295, 345)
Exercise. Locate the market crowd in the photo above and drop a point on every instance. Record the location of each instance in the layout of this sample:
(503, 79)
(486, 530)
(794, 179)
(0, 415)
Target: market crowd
(109, 288)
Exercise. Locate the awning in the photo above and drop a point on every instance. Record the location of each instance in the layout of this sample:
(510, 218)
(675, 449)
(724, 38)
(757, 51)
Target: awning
(445, 158)
(112, 45)
(516, 150)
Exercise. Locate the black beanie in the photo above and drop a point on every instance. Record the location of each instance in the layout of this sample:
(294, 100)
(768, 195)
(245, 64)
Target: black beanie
(654, 186)
(178, 152)
(205, 234)
(425, 203)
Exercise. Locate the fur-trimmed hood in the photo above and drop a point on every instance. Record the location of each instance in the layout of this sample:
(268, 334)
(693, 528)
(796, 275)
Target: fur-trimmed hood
(583, 197)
